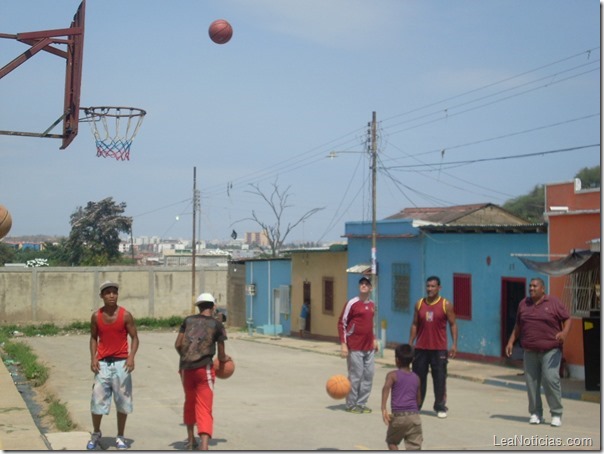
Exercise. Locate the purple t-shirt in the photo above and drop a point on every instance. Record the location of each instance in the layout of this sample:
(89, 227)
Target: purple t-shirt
(539, 323)
(404, 391)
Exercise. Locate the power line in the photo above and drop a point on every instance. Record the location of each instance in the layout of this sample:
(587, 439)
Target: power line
(317, 154)
(499, 158)
(586, 52)
(505, 136)
(449, 115)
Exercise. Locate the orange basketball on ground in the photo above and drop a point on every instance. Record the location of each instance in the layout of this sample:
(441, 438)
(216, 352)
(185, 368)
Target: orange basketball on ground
(224, 370)
(6, 221)
(337, 387)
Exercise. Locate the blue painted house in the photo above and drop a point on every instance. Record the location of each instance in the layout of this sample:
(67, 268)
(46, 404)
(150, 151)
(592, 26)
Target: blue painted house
(267, 296)
(471, 248)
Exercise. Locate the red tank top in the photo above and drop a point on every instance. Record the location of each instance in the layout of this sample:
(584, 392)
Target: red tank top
(432, 325)
(113, 337)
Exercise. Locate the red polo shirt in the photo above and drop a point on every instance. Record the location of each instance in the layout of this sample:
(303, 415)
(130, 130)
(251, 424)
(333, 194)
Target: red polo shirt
(539, 323)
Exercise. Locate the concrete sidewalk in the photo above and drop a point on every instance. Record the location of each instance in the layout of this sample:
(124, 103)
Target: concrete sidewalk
(18, 430)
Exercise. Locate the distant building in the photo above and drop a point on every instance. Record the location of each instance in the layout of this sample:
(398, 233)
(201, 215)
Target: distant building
(573, 215)
(257, 238)
(25, 245)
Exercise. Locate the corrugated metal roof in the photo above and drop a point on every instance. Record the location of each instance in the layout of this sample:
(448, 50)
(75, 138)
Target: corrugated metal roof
(477, 213)
(362, 268)
(494, 228)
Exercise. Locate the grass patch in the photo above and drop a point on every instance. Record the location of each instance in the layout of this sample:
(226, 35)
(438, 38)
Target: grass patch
(46, 329)
(78, 326)
(59, 414)
(35, 372)
(156, 323)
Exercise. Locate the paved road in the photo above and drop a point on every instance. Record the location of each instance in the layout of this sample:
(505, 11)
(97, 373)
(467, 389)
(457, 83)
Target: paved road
(276, 400)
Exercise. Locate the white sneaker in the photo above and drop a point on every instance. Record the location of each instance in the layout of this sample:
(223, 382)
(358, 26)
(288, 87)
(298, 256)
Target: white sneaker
(120, 443)
(441, 414)
(535, 419)
(556, 421)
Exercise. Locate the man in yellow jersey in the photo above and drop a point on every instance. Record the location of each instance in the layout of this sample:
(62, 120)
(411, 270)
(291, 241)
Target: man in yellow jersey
(429, 334)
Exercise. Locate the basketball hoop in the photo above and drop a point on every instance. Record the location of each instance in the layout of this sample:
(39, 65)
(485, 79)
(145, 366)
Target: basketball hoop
(114, 129)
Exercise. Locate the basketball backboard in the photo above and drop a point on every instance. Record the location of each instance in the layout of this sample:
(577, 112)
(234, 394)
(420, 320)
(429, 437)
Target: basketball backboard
(66, 43)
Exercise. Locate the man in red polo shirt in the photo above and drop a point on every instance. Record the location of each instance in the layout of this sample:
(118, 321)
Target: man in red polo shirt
(542, 324)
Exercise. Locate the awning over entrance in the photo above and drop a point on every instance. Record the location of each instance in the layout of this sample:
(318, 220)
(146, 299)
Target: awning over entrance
(577, 261)
(360, 269)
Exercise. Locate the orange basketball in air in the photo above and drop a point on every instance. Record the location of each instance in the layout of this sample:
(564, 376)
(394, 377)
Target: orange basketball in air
(224, 370)
(220, 31)
(6, 221)
(337, 387)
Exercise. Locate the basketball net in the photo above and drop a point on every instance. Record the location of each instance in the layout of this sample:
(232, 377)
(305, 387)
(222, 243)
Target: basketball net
(114, 129)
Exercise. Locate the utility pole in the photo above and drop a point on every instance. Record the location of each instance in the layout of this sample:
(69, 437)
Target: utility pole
(374, 272)
(193, 248)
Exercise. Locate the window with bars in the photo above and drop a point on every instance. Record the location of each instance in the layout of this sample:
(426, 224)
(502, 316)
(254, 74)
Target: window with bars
(401, 281)
(462, 295)
(581, 293)
(328, 295)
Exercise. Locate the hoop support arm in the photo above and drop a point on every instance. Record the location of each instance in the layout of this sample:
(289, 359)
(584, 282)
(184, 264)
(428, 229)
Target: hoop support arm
(30, 134)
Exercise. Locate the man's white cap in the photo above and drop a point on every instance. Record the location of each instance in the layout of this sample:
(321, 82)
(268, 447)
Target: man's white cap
(108, 284)
(205, 297)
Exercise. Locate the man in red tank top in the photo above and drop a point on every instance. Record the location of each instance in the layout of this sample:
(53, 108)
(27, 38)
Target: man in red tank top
(429, 333)
(111, 363)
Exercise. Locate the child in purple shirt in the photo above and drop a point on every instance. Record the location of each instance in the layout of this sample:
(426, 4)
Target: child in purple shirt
(404, 423)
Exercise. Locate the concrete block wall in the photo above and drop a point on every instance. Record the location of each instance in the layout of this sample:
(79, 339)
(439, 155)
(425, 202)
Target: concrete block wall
(62, 295)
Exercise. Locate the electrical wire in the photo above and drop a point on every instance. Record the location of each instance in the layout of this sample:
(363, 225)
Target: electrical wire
(317, 154)
(498, 158)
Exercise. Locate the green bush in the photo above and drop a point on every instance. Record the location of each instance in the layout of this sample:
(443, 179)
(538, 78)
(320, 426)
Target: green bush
(148, 322)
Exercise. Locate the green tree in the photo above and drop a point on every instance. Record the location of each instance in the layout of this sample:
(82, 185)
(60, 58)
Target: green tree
(95, 233)
(530, 206)
(7, 254)
(57, 254)
(590, 177)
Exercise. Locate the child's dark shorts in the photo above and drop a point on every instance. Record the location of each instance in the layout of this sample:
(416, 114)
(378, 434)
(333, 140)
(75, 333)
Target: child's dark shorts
(405, 425)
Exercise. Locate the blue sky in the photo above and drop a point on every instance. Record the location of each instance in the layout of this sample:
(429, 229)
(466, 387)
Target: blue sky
(459, 88)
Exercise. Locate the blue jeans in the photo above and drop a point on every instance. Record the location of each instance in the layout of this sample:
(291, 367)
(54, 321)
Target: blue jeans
(543, 368)
(436, 361)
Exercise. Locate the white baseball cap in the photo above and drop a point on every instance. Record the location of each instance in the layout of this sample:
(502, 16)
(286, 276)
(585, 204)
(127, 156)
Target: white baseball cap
(108, 284)
(205, 297)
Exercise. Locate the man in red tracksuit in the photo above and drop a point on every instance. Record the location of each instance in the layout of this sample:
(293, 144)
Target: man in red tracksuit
(355, 328)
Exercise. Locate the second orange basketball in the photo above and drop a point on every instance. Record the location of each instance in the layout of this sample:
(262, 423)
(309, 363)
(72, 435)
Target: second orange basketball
(224, 369)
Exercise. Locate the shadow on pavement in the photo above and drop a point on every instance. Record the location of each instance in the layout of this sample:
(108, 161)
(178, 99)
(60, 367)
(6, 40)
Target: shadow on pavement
(511, 418)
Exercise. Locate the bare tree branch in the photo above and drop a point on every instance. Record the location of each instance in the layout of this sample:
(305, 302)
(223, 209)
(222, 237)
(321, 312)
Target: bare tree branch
(277, 200)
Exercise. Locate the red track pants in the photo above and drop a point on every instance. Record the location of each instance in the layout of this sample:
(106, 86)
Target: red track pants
(199, 398)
